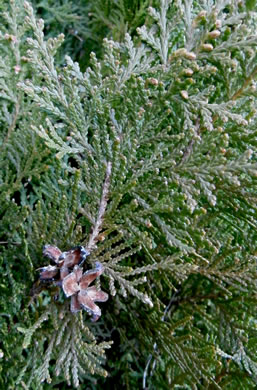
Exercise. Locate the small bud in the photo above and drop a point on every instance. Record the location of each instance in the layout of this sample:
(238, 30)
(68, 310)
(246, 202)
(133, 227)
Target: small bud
(25, 59)
(201, 17)
(148, 224)
(180, 52)
(203, 210)
(183, 53)
(190, 80)
(207, 47)
(184, 94)
(202, 14)
(248, 153)
(40, 24)
(218, 23)
(188, 72)
(214, 34)
(190, 55)
(17, 69)
(152, 81)
(26, 5)
(11, 38)
(141, 111)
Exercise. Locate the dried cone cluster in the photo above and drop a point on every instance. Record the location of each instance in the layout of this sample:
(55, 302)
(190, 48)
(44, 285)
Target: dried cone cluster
(68, 273)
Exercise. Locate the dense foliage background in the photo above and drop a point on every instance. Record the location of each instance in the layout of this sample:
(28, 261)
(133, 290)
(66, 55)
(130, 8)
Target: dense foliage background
(164, 94)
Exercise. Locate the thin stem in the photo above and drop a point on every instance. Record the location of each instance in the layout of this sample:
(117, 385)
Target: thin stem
(189, 149)
(102, 207)
(246, 83)
(172, 300)
(9, 243)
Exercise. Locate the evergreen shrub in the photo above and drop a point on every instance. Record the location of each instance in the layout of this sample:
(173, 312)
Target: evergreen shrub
(129, 128)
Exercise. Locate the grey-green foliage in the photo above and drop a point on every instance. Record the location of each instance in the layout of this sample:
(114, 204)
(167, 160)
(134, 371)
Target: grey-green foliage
(172, 110)
(72, 345)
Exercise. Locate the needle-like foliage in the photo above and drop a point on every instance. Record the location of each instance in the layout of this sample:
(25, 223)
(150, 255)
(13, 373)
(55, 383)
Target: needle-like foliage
(142, 149)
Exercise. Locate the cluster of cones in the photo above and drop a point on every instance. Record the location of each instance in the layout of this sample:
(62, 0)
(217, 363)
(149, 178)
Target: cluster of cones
(68, 273)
